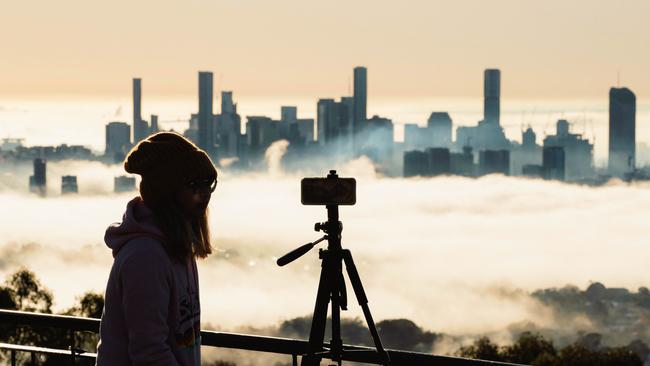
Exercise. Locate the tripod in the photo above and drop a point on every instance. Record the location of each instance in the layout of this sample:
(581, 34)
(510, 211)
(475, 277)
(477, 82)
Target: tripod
(331, 287)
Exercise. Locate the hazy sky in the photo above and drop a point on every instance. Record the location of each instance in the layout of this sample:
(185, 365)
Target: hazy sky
(546, 49)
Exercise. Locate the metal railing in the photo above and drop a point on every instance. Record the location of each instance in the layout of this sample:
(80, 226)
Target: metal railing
(286, 346)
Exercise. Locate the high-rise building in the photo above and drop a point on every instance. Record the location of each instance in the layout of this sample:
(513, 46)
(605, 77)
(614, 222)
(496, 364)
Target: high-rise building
(491, 95)
(489, 134)
(289, 114)
(360, 97)
(527, 155)
(577, 152)
(416, 137)
(228, 128)
(554, 163)
(288, 129)
(462, 163)
(622, 131)
(140, 127)
(261, 132)
(333, 119)
(38, 181)
(206, 135)
(117, 140)
(439, 125)
(69, 184)
(227, 104)
(154, 124)
(376, 140)
(494, 161)
(439, 160)
(305, 128)
(529, 139)
(416, 163)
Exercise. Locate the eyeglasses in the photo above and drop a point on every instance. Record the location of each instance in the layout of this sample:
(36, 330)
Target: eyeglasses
(202, 184)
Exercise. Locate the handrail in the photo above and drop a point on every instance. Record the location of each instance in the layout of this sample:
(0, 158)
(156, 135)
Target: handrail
(45, 350)
(249, 342)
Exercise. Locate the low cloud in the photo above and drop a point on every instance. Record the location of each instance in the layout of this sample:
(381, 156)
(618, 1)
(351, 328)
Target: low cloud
(455, 255)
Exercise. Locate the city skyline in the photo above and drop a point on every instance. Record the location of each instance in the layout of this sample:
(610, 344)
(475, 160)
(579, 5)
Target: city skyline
(554, 50)
(344, 132)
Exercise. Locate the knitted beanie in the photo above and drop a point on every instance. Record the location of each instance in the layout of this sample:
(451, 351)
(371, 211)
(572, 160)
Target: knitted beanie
(167, 161)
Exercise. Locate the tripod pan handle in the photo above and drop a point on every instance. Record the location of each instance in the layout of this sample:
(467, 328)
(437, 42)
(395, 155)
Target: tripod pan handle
(294, 254)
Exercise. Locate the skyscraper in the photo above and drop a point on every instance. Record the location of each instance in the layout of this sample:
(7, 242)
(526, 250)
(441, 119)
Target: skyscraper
(288, 114)
(529, 139)
(578, 152)
(439, 125)
(491, 95)
(154, 124)
(139, 126)
(227, 104)
(327, 119)
(360, 97)
(206, 125)
(117, 140)
(622, 131)
(554, 163)
(227, 129)
(38, 181)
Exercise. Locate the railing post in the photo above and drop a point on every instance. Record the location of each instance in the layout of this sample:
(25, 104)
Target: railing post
(13, 357)
(33, 358)
(294, 358)
(72, 360)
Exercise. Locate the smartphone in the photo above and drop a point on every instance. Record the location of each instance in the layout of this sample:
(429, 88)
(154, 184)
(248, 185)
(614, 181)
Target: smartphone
(328, 191)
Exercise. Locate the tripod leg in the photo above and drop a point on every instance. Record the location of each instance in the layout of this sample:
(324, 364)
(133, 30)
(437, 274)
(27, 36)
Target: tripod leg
(363, 302)
(339, 301)
(319, 319)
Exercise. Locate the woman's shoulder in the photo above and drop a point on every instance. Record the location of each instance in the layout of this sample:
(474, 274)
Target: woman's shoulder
(144, 249)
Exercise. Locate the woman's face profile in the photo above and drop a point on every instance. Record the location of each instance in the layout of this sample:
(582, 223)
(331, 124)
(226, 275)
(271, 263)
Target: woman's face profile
(193, 198)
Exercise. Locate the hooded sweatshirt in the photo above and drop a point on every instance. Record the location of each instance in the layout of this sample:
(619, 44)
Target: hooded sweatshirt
(151, 312)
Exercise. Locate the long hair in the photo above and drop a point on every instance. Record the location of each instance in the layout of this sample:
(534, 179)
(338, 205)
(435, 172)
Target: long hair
(183, 237)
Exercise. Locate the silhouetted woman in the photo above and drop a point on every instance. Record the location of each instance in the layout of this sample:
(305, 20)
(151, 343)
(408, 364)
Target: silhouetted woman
(152, 313)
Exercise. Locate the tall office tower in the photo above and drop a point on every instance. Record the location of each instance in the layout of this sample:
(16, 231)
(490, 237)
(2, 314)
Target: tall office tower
(154, 124)
(327, 119)
(261, 132)
(416, 137)
(206, 125)
(288, 128)
(529, 139)
(118, 140)
(439, 125)
(622, 131)
(227, 128)
(491, 95)
(306, 129)
(346, 133)
(554, 163)
(227, 104)
(289, 114)
(138, 133)
(360, 97)
(38, 181)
